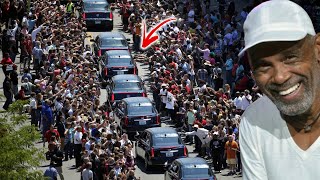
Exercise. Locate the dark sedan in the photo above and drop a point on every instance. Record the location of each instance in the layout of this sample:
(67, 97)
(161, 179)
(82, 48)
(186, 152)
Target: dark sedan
(135, 114)
(158, 146)
(124, 86)
(189, 169)
(97, 14)
(117, 62)
(107, 41)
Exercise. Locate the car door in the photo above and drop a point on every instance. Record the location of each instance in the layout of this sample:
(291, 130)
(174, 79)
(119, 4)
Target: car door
(173, 171)
(141, 144)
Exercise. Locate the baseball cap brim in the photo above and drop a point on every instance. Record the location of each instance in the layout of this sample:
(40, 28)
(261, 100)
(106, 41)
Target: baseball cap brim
(273, 36)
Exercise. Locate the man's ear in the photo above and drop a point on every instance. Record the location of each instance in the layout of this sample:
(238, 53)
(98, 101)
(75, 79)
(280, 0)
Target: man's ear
(317, 47)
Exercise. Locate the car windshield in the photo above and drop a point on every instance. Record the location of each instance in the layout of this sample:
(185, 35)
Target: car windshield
(95, 5)
(198, 172)
(114, 42)
(166, 139)
(119, 61)
(143, 109)
(127, 86)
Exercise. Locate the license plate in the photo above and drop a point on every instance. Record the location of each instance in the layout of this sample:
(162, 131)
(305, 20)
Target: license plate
(120, 72)
(169, 154)
(97, 22)
(142, 122)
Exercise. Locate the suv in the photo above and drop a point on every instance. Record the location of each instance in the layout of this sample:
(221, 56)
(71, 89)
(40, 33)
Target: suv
(135, 114)
(117, 62)
(107, 41)
(97, 14)
(123, 86)
(159, 146)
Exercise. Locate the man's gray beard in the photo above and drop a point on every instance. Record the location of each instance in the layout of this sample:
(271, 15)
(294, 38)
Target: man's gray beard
(296, 108)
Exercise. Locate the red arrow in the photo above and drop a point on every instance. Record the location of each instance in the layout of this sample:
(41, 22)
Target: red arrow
(147, 41)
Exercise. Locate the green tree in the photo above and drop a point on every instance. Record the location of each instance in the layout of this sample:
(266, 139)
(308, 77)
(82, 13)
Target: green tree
(19, 157)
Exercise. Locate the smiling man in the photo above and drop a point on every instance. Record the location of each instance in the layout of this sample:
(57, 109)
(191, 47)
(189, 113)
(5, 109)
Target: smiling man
(279, 132)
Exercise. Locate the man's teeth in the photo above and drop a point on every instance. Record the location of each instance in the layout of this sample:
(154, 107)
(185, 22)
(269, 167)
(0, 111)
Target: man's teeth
(290, 90)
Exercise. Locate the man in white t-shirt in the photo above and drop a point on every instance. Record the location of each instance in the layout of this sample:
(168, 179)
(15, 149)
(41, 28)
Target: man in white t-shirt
(87, 173)
(163, 96)
(279, 133)
(246, 99)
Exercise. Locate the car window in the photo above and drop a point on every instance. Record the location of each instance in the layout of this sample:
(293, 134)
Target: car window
(118, 61)
(200, 172)
(95, 5)
(140, 110)
(127, 86)
(114, 42)
(166, 139)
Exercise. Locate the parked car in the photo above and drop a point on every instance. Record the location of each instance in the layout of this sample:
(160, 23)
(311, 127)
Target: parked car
(124, 86)
(135, 114)
(159, 146)
(107, 41)
(117, 62)
(97, 14)
(189, 168)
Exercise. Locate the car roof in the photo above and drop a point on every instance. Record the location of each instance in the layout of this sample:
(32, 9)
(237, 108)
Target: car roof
(118, 35)
(126, 77)
(137, 100)
(191, 161)
(161, 130)
(118, 53)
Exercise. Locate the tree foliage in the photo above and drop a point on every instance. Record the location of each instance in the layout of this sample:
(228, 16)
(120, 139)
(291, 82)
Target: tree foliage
(18, 156)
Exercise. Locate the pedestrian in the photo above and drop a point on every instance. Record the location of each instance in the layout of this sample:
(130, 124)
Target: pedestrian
(7, 91)
(215, 147)
(55, 156)
(87, 173)
(51, 172)
(15, 80)
(78, 145)
(231, 147)
(279, 133)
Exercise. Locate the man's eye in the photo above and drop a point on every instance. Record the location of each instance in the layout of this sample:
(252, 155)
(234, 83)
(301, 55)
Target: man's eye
(291, 58)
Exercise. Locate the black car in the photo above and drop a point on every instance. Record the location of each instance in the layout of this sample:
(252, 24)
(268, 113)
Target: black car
(124, 86)
(97, 14)
(159, 146)
(189, 169)
(117, 62)
(107, 41)
(135, 114)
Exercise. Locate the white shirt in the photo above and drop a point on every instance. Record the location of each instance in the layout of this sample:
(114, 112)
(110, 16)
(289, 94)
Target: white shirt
(87, 174)
(170, 101)
(77, 137)
(164, 95)
(268, 151)
(33, 103)
(246, 101)
(202, 134)
(237, 102)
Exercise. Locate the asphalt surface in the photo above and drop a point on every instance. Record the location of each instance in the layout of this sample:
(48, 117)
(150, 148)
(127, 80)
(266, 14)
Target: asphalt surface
(157, 173)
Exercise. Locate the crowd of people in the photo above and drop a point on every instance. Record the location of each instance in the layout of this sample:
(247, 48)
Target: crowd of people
(196, 77)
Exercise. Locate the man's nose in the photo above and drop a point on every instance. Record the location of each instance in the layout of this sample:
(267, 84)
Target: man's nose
(281, 73)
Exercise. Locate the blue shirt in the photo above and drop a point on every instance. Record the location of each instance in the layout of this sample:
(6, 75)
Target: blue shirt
(229, 64)
(47, 112)
(51, 172)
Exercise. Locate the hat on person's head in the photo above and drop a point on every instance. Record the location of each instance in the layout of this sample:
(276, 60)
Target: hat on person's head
(276, 21)
(196, 126)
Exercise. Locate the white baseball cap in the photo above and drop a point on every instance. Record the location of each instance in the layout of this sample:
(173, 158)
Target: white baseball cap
(276, 20)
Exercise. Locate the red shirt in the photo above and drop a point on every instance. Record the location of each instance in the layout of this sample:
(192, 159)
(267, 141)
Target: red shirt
(6, 61)
(49, 134)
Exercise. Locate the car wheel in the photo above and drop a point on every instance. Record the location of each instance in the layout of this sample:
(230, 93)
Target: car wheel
(146, 165)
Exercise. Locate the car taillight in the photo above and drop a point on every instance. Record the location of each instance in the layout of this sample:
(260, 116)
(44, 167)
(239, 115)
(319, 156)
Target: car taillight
(152, 152)
(135, 72)
(112, 97)
(105, 71)
(83, 15)
(144, 95)
(110, 15)
(126, 121)
(185, 151)
(158, 119)
(99, 52)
